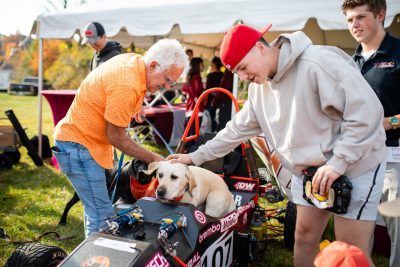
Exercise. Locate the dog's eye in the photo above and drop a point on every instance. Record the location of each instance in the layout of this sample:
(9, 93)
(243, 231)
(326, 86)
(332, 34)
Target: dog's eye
(160, 175)
(174, 177)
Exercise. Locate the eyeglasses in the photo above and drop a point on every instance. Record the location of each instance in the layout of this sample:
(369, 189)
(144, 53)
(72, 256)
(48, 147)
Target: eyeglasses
(169, 81)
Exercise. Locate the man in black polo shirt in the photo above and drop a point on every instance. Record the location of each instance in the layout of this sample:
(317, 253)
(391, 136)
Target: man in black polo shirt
(378, 56)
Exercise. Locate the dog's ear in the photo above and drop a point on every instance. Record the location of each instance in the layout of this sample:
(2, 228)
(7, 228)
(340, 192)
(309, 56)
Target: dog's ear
(130, 168)
(191, 180)
(152, 167)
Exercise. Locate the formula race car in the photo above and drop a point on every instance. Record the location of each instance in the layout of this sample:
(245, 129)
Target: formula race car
(151, 232)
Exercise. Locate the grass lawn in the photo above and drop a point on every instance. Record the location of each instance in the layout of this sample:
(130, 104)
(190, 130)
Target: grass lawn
(32, 198)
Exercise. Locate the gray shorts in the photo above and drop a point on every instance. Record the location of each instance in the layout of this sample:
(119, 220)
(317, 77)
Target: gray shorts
(365, 196)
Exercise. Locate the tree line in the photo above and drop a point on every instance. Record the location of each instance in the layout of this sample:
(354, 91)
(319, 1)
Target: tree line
(65, 63)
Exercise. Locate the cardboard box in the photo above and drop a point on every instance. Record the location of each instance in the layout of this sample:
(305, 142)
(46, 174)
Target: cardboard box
(8, 137)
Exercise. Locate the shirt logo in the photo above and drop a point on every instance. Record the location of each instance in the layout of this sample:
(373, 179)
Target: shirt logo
(384, 65)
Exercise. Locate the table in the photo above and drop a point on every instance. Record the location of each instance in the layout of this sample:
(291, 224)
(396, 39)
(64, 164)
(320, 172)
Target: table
(59, 101)
(168, 119)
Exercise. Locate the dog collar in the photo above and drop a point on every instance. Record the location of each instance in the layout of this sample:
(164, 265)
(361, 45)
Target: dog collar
(179, 198)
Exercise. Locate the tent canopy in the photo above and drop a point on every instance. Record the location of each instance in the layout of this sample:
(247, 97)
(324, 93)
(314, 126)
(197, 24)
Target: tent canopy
(201, 24)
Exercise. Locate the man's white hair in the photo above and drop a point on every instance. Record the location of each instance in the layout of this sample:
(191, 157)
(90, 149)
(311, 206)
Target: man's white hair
(167, 52)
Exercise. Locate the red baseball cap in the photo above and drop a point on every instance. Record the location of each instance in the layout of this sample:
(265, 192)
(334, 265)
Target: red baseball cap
(341, 254)
(238, 42)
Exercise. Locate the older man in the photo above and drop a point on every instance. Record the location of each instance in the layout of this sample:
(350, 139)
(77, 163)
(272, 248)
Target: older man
(107, 100)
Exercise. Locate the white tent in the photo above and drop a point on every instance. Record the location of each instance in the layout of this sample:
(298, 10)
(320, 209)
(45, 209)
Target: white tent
(201, 24)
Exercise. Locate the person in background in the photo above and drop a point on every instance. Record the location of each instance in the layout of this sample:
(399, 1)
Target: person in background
(189, 53)
(314, 113)
(378, 57)
(222, 102)
(213, 80)
(105, 104)
(95, 36)
(193, 88)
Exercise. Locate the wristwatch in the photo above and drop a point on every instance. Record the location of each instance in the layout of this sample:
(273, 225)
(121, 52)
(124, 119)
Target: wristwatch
(394, 122)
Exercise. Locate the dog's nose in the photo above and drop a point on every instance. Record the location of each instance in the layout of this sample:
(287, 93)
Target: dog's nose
(161, 192)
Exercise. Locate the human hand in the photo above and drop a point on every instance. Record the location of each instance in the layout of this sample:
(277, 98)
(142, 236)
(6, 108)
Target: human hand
(323, 179)
(158, 157)
(180, 158)
(139, 116)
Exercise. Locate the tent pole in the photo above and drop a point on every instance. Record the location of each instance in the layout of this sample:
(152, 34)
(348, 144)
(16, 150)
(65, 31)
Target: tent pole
(40, 70)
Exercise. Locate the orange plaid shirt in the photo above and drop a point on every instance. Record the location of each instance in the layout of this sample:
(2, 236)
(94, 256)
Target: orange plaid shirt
(113, 93)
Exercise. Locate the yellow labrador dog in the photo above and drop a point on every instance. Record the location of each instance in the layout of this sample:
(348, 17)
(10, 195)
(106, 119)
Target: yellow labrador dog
(194, 185)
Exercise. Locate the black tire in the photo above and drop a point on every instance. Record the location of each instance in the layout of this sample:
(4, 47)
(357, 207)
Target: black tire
(6, 161)
(36, 255)
(15, 155)
(289, 225)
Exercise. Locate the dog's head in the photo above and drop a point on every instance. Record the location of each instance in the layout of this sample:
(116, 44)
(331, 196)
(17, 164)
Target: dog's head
(173, 179)
(135, 168)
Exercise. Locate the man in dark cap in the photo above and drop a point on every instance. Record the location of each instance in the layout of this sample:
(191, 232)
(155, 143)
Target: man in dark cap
(95, 36)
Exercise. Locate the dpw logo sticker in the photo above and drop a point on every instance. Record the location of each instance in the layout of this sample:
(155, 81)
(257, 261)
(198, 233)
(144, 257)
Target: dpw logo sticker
(243, 186)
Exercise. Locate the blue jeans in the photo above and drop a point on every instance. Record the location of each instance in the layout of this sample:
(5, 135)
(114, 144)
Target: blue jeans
(89, 180)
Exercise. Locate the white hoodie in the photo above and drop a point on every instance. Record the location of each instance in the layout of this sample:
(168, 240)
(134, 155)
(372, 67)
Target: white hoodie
(318, 109)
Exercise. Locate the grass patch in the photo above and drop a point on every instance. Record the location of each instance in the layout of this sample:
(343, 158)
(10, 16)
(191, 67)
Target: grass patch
(32, 198)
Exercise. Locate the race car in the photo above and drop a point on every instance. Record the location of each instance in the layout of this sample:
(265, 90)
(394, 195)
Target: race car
(151, 232)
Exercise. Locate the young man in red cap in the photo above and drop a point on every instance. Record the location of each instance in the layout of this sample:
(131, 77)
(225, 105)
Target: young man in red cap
(315, 108)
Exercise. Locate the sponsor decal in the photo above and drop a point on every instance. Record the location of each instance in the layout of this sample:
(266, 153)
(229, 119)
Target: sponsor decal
(158, 260)
(210, 231)
(245, 208)
(220, 252)
(229, 221)
(238, 200)
(244, 186)
(233, 218)
(194, 261)
(200, 217)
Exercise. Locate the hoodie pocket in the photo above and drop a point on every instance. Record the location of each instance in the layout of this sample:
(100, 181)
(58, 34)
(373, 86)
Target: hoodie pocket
(306, 156)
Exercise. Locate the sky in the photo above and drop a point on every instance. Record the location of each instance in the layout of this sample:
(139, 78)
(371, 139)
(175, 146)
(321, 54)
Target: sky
(19, 15)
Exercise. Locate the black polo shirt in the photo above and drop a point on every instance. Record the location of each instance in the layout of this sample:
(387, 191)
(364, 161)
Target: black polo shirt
(382, 71)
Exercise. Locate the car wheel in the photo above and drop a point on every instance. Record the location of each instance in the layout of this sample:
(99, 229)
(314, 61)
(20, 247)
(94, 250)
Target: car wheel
(289, 225)
(36, 255)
